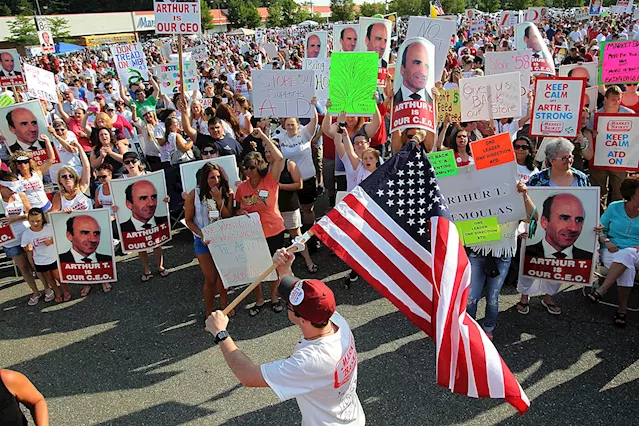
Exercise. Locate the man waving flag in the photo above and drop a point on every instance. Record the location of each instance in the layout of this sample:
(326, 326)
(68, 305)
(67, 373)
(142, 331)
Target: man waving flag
(398, 218)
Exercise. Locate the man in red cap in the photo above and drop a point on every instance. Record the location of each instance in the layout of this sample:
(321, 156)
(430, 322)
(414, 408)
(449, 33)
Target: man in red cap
(322, 373)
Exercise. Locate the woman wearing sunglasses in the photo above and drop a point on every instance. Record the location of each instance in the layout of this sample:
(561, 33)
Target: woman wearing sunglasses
(103, 197)
(524, 158)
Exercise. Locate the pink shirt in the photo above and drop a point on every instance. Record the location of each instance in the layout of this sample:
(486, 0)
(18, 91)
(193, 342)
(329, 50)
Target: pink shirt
(263, 200)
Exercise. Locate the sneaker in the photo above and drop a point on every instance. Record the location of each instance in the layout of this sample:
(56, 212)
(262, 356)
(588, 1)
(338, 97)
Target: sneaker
(48, 297)
(33, 300)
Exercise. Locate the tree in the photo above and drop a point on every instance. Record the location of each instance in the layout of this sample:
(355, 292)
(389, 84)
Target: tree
(23, 7)
(342, 10)
(5, 10)
(243, 13)
(23, 30)
(59, 28)
(519, 4)
(274, 20)
(489, 5)
(205, 16)
(409, 7)
(370, 9)
(455, 6)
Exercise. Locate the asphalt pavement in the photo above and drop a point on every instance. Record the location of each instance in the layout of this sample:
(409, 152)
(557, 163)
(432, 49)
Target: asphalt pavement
(140, 356)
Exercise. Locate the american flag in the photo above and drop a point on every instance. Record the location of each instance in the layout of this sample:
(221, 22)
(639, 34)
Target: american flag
(438, 6)
(395, 231)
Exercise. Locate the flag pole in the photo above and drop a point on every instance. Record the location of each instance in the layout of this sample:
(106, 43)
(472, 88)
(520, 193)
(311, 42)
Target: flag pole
(297, 245)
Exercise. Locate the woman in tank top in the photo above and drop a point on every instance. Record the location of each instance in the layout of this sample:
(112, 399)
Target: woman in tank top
(30, 175)
(108, 150)
(243, 111)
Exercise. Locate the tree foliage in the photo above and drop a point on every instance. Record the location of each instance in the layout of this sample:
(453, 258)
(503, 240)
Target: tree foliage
(453, 6)
(243, 13)
(370, 9)
(205, 16)
(410, 7)
(489, 5)
(23, 30)
(59, 28)
(342, 10)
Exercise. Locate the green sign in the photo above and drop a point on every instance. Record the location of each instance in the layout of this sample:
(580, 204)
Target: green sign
(443, 162)
(479, 230)
(354, 80)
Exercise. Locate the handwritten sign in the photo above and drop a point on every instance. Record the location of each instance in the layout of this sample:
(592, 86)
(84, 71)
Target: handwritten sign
(618, 62)
(508, 18)
(354, 77)
(130, 62)
(239, 249)
(177, 17)
(449, 103)
(582, 13)
(438, 32)
(557, 107)
(479, 231)
(512, 61)
(169, 77)
(443, 162)
(199, 53)
(616, 144)
(41, 83)
(477, 25)
(492, 151)
(320, 68)
(279, 93)
(490, 97)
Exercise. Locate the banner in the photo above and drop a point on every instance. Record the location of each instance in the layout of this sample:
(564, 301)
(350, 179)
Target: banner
(476, 194)
(84, 245)
(528, 37)
(492, 151)
(618, 62)
(413, 102)
(177, 17)
(375, 36)
(315, 45)
(449, 103)
(169, 77)
(41, 83)
(557, 107)
(279, 93)
(439, 32)
(189, 172)
(11, 70)
(490, 97)
(130, 63)
(199, 53)
(320, 68)
(563, 247)
(345, 37)
(586, 70)
(353, 83)
(616, 144)
(239, 249)
(512, 61)
(143, 215)
(477, 26)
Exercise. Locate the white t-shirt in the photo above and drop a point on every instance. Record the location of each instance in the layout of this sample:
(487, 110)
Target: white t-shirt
(524, 173)
(42, 254)
(354, 177)
(67, 158)
(511, 128)
(298, 149)
(322, 375)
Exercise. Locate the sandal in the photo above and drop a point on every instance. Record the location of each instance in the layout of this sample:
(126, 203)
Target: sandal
(67, 297)
(255, 310)
(33, 300)
(620, 320)
(277, 307)
(594, 296)
(551, 308)
(164, 273)
(146, 277)
(106, 287)
(312, 269)
(58, 299)
(522, 308)
(85, 291)
(48, 297)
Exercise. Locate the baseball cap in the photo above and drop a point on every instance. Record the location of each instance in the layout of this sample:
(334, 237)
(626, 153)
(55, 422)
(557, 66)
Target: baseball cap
(99, 96)
(310, 299)
(130, 154)
(146, 109)
(110, 106)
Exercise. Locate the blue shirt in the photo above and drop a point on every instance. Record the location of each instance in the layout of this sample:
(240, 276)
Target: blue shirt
(619, 227)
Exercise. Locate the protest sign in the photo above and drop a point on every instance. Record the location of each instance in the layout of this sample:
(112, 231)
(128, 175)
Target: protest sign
(169, 77)
(375, 36)
(130, 63)
(11, 70)
(41, 83)
(443, 162)
(279, 93)
(590, 98)
(508, 18)
(261, 36)
(586, 70)
(315, 45)
(557, 106)
(470, 14)
(535, 14)
(505, 246)
(616, 143)
(528, 37)
(320, 68)
(393, 17)
(46, 42)
(618, 62)
(142, 213)
(490, 97)
(477, 26)
(477, 194)
(199, 53)
(26, 138)
(595, 7)
(479, 230)
(86, 254)
(345, 37)
(492, 151)
(438, 32)
(512, 61)
(239, 249)
(563, 246)
(6, 233)
(449, 103)
(413, 104)
(189, 171)
(177, 17)
(582, 13)
(271, 50)
(353, 82)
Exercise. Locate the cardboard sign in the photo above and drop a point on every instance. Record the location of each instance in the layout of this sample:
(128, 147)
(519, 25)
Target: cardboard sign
(479, 231)
(177, 17)
(586, 70)
(492, 151)
(271, 50)
(528, 37)
(618, 62)
(582, 13)
(85, 256)
(239, 249)
(564, 256)
(490, 97)
(535, 14)
(557, 107)
(10, 68)
(616, 144)
(279, 93)
(595, 7)
(46, 42)
(345, 37)
(512, 61)
(449, 103)
(189, 171)
(477, 26)
(315, 45)
(199, 53)
(169, 77)
(320, 68)
(439, 32)
(443, 162)
(41, 83)
(130, 63)
(509, 18)
(354, 77)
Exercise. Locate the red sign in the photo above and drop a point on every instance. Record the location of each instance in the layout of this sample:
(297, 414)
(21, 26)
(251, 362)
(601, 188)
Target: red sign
(418, 113)
(147, 238)
(96, 272)
(573, 271)
(6, 233)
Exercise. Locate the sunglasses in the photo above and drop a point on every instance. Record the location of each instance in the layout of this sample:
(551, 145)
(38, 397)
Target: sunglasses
(522, 147)
(411, 136)
(58, 129)
(66, 176)
(22, 161)
(250, 167)
(130, 161)
(103, 176)
(208, 152)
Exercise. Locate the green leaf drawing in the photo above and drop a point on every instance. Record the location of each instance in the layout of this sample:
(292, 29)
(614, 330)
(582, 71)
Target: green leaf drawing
(354, 79)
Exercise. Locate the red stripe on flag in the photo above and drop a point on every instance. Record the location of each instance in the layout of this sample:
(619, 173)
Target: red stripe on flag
(445, 355)
(512, 391)
(478, 357)
(461, 382)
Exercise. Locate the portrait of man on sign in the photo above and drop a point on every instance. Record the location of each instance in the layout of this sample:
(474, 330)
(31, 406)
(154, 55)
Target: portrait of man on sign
(348, 39)
(316, 45)
(23, 124)
(414, 70)
(84, 234)
(142, 200)
(376, 40)
(8, 62)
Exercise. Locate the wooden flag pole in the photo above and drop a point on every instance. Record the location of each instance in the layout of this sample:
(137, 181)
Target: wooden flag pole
(180, 65)
(298, 245)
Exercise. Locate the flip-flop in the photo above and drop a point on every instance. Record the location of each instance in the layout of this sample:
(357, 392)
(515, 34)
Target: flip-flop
(312, 269)
(49, 297)
(255, 310)
(58, 299)
(550, 307)
(85, 291)
(67, 297)
(277, 307)
(33, 300)
(106, 288)
(525, 307)
(232, 313)
(146, 277)
(164, 273)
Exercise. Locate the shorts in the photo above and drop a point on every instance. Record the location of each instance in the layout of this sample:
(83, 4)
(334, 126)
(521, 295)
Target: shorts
(46, 268)
(199, 246)
(275, 242)
(292, 220)
(12, 252)
(309, 191)
(329, 174)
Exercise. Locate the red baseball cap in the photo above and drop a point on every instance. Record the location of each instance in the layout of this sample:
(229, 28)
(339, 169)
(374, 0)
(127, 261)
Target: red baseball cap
(310, 299)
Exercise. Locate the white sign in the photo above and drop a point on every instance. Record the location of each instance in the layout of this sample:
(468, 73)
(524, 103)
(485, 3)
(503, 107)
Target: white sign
(177, 17)
(130, 62)
(46, 42)
(616, 144)
(271, 50)
(490, 97)
(282, 93)
(512, 61)
(508, 18)
(582, 14)
(535, 14)
(557, 107)
(320, 67)
(477, 194)
(199, 53)
(189, 171)
(588, 70)
(239, 249)
(40, 83)
(477, 25)
(439, 32)
(169, 77)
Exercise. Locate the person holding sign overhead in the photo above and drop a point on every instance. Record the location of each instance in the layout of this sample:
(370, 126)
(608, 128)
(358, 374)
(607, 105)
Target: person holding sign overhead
(414, 69)
(23, 165)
